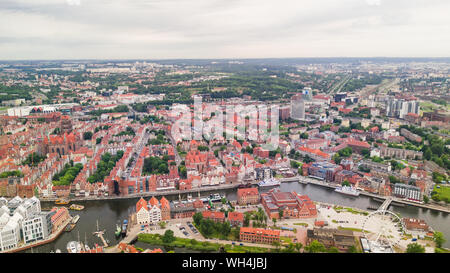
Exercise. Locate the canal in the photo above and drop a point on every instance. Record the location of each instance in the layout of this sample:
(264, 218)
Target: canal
(110, 212)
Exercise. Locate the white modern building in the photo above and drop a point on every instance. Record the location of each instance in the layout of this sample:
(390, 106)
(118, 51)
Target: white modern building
(22, 219)
(400, 108)
(37, 227)
(9, 232)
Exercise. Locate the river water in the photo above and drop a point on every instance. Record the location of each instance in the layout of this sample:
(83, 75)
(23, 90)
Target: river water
(110, 212)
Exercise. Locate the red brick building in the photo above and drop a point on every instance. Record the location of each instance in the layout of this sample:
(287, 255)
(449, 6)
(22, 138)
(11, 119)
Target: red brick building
(236, 218)
(216, 216)
(248, 196)
(290, 204)
(259, 235)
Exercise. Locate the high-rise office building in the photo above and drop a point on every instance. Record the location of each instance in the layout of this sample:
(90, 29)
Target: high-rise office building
(400, 107)
(298, 107)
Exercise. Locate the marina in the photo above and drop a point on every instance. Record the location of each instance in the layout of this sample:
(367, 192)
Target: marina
(111, 212)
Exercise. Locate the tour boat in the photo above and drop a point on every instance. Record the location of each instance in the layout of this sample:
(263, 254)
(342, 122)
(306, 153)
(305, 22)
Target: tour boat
(269, 182)
(347, 190)
(61, 202)
(213, 198)
(76, 207)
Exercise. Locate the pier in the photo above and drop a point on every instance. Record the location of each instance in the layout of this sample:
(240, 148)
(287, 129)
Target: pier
(99, 234)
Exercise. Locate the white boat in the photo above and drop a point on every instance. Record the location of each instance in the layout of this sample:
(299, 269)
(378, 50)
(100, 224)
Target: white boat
(73, 247)
(213, 198)
(347, 190)
(269, 182)
(75, 219)
(86, 247)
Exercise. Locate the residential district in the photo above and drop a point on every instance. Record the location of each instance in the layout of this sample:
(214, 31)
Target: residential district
(78, 131)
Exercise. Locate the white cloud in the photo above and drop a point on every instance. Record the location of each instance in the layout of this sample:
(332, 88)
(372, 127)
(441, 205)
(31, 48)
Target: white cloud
(60, 29)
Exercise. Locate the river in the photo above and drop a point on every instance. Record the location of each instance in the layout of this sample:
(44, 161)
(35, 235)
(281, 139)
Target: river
(110, 212)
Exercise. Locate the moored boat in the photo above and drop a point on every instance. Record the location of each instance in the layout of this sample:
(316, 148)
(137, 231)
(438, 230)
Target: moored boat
(118, 230)
(75, 219)
(76, 207)
(124, 227)
(347, 190)
(61, 202)
(269, 183)
(73, 247)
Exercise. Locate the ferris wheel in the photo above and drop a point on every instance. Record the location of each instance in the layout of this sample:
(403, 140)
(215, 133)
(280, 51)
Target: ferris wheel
(383, 228)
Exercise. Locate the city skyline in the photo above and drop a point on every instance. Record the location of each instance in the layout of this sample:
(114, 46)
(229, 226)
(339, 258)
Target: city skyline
(98, 29)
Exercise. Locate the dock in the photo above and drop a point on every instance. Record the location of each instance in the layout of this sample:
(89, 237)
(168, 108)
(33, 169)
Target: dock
(99, 234)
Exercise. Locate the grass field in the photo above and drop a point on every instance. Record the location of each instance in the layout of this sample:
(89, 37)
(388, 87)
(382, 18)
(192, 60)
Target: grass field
(443, 192)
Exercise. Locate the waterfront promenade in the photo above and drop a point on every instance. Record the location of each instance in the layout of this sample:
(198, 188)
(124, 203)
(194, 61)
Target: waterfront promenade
(149, 194)
(50, 238)
(394, 200)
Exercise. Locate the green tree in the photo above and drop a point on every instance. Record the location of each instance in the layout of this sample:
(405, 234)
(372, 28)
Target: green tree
(87, 135)
(304, 136)
(333, 250)
(280, 213)
(197, 218)
(315, 247)
(438, 238)
(298, 246)
(162, 224)
(415, 248)
(168, 237)
(427, 155)
(352, 249)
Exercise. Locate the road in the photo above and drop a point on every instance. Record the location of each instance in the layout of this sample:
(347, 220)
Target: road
(337, 88)
(136, 152)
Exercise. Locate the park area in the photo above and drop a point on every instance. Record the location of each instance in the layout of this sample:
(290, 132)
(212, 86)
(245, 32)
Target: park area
(442, 193)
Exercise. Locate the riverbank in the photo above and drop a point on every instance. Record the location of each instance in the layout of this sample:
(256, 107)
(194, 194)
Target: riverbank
(111, 212)
(299, 179)
(150, 194)
(376, 196)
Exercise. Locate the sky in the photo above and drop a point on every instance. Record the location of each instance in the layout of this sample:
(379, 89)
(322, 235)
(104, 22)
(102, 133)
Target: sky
(191, 29)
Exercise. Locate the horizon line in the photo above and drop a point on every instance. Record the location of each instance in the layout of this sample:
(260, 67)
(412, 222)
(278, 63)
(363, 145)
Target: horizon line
(250, 58)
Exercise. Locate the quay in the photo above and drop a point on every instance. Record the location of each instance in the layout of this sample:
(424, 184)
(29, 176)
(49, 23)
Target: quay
(383, 198)
(300, 179)
(149, 194)
(51, 238)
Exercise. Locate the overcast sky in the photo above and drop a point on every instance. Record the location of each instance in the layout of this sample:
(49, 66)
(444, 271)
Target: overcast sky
(164, 29)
